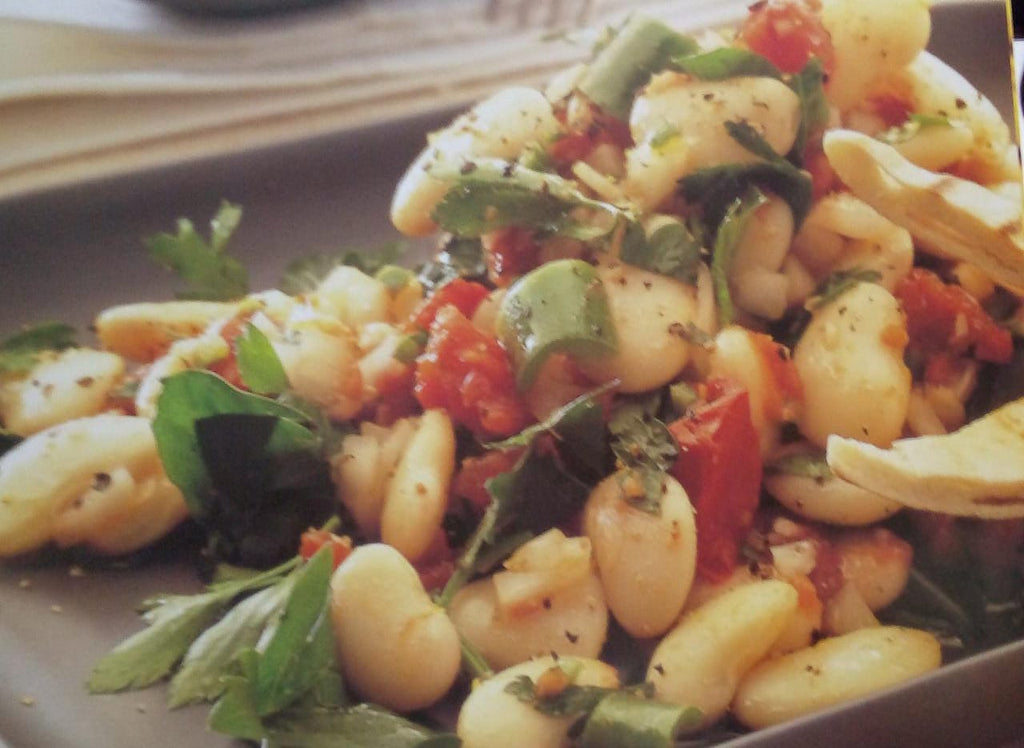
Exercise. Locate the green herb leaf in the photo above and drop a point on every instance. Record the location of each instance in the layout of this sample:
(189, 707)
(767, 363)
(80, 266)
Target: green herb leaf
(809, 85)
(573, 700)
(642, 47)
(670, 250)
(490, 194)
(208, 272)
(727, 62)
(258, 364)
(643, 444)
(802, 464)
(838, 283)
(304, 274)
(175, 621)
(302, 646)
(457, 258)
(21, 351)
(716, 188)
(361, 726)
(212, 657)
(189, 397)
(727, 239)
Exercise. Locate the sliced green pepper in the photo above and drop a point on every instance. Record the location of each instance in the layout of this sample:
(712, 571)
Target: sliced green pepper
(560, 306)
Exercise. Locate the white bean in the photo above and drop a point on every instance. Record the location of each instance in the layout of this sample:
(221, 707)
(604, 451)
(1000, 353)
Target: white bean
(319, 356)
(833, 671)
(500, 127)
(650, 313)
(695, 112)
(877, 563)
(850, 361)
(144, 331)
(572, 621)
(493, 718)
(871, 39)
(417, 494)
(352, 296)
(701, 661)
(96, 481)
(755, 277)
(396, 647)
(71, 384)
(646, 559)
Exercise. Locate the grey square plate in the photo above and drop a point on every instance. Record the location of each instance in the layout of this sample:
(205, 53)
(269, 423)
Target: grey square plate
(68, 253)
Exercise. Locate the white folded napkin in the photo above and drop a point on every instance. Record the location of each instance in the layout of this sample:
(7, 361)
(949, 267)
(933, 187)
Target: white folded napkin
(94, 88)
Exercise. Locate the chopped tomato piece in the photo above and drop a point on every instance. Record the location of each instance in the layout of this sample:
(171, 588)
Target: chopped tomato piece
(467, 373)
(511, 252)
(577, 145)
(719, 465)
(943, 319)
(313, 540)
(789, 33)
(464, 295)
(780, 399)
(470, 481)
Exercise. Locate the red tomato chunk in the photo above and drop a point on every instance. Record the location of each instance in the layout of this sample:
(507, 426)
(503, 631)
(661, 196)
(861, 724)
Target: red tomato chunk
(719, 465)
(313, 540)
(789, 33)
(467, 373)
(943, 318)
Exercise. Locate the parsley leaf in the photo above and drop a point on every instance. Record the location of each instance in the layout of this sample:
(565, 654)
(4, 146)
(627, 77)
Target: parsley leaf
(21, 351)
(175, 622)
(643, 444)
(809, 85)
(209, 273)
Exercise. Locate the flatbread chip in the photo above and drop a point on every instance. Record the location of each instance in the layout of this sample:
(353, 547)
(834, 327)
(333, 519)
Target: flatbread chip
(946, 215)
(977, 471)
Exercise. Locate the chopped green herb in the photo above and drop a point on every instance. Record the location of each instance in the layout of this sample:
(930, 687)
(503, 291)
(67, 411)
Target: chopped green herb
(727, 62)
(490, 194)
(643, 444)
(838, 283)
(260, 368)
(670, 250)
(207, 270)
(803, 464)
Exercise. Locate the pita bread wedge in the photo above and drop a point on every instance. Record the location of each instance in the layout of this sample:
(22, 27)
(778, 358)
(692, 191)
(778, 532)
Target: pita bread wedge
(977, 471)
(946, 215)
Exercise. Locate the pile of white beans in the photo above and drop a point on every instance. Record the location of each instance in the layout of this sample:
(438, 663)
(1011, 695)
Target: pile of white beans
(762, 645)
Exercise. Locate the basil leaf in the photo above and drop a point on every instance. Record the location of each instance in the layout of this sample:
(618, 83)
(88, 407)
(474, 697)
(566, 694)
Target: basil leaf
(489, 194)
(239, 458)
(258, 364)
(642, 47)
(21, 351)
(727, 62)
(716, 187)
(208, 272)
(727, 239)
